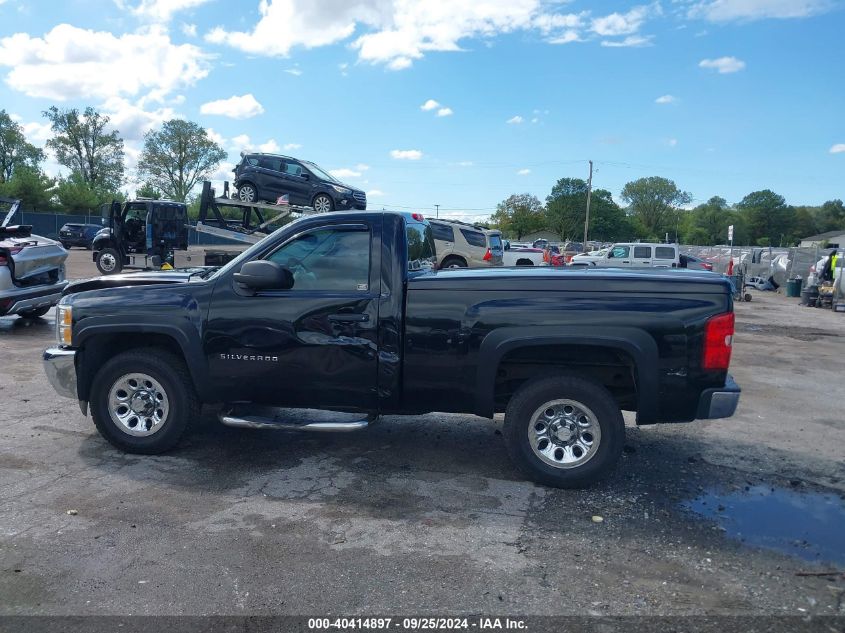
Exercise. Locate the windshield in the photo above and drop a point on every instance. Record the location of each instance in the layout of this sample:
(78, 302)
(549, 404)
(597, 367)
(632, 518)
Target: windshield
(320, 172)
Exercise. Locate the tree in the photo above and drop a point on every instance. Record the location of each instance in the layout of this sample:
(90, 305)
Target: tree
(82, 144)
(831, 216)
(148, 191)
(566, 209)
(15, 151)
(75, 194)
(177, 157)
(31, 186)
(767, 217)
(519, 215)
(655, 202)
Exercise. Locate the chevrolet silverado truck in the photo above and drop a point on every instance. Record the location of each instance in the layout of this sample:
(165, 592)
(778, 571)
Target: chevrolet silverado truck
(343, 315)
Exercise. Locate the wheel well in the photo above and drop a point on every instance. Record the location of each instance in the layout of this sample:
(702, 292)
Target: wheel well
(321, 193)
(100, 349)
(524, 262)
(449, 258)
(247, 182)
(613, 368)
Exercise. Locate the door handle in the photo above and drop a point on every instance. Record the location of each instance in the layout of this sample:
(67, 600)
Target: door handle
(625, 261)
(349, 318)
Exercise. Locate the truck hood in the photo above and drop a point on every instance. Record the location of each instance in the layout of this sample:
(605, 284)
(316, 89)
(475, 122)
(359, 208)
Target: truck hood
(143, 278)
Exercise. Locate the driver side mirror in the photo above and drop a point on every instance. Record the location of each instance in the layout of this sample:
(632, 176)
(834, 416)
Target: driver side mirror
(264, 275)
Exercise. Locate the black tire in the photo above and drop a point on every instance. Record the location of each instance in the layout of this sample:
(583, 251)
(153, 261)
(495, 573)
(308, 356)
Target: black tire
(171, 374)
(65, 246)
(537, 393)
(109, 262)
(322, 203)
(248, 192)
(34, 314)
(524, 262)
(454, 262)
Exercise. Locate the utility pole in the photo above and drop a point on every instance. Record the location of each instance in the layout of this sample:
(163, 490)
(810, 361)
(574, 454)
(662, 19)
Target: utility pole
(589, 195)
(437, 206)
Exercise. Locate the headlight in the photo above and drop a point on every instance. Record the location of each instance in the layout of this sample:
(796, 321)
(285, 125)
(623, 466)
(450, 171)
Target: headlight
(64, 325)
(341, 189)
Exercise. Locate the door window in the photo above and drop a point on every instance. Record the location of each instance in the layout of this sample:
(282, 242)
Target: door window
(642, 252)
(443, 232)
(293, 169)
(619, 252)
(268, 162)
(665, 252)
(328, 259)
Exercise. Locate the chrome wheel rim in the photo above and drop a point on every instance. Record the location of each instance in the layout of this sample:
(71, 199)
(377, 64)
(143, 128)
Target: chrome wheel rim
(246, 193)
(138, 404)
(564, 433)
(108, 262)
(322, 204)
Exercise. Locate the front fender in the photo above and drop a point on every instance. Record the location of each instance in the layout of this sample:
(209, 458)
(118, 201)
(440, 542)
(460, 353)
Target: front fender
(637, 343)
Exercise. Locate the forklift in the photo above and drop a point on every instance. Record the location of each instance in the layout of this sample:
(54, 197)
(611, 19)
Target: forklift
(140, 234)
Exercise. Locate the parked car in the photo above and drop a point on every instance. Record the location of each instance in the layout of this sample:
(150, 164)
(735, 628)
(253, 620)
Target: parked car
(694, 263)
(268, 176)
(634, 255)
(71, 235)
(32, 269)
(329, 312)
(523, 256)
(462, 245)
(581, 257)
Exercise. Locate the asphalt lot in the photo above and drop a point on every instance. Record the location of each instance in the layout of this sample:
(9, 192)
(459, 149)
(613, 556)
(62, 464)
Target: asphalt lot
(426, 515)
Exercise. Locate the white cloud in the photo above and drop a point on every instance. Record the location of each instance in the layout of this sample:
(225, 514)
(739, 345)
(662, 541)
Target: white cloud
(189, 30)
(465, 163)
(729, 10)
(35, 132)
(622, 23)
(235, 107)
(242, 143)
(431, 104)
(406, 154)
(294, 71)
(375, 193)
(132, 120)
(839, 148)
(398, 32)
(524, 172)
(215, 136)
(444, 112)
(723, 65)
(672, 142)
(291, 146)
(632, 41)
(515, 120)
(344, 172)
(362, 167)
(73, 63)
(161, 10)
(665, 99)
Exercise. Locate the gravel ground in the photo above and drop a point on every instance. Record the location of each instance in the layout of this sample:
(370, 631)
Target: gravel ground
(426, 514)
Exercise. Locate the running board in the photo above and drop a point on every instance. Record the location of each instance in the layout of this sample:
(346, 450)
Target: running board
(270, 422)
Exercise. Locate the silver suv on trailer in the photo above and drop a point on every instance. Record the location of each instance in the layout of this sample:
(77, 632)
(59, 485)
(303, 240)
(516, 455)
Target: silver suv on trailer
(32, 269)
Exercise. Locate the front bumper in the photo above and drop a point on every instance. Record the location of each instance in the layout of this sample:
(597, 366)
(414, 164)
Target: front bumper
(24, 299)
(720, 402)
(60, 367)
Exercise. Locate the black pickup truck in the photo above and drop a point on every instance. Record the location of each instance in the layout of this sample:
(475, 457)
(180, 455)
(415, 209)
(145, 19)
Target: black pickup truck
(344, 313)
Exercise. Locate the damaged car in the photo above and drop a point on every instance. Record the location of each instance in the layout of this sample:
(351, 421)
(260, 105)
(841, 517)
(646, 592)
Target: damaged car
(32, 268)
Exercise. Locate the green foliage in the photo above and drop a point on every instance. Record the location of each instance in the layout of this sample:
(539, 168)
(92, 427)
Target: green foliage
(148, 191)
(830, 216)
(177, 157)
(82, 144)
(767, 216)
(519, 215)
(31, 186)
(654, 201)
(566, 207)
(15, 151)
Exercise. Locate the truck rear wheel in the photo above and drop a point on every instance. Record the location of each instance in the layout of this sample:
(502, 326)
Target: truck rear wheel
(109, 261)
(564, 431)
(142, 401)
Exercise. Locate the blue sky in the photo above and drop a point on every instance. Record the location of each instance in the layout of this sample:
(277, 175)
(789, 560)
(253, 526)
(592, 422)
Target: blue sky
(459, 102)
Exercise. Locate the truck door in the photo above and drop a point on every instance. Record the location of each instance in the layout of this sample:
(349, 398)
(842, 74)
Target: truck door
(642, 256)
(618, 256)
(297, 182)
(665, 257)
(314, 345)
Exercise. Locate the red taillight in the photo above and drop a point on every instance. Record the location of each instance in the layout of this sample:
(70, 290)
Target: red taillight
(418, 217)
(718, 341)
(488, 255)
(707, 266)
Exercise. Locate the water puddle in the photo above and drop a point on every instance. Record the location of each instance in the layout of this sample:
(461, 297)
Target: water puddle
(807, 525)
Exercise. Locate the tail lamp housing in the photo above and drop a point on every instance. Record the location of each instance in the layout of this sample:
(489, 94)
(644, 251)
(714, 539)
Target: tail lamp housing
(718, 342)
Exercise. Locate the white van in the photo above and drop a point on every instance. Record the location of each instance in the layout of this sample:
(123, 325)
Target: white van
(633, 255)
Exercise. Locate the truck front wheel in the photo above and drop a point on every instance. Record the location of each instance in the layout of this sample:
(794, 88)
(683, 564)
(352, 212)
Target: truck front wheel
(564, 431)
(109, 261)
(142, 401)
